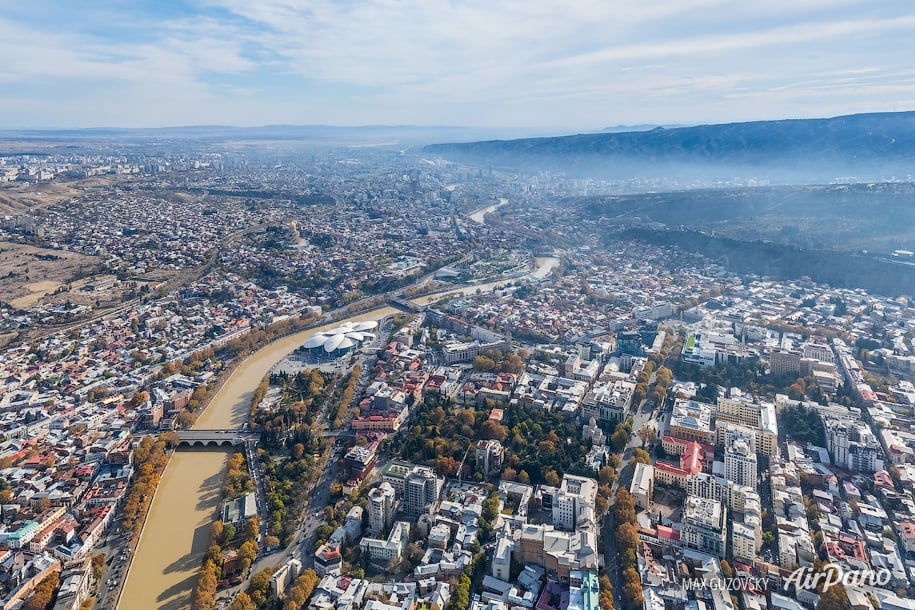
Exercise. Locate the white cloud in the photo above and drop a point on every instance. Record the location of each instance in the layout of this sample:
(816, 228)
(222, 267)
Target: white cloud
(583, 64)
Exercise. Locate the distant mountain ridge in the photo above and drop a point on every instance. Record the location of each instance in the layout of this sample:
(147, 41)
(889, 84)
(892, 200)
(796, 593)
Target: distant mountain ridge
(880, 144)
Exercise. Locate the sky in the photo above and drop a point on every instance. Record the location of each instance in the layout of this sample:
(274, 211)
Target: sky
(541, 64)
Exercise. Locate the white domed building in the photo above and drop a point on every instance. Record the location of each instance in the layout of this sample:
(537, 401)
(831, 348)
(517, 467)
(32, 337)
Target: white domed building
(339, 340)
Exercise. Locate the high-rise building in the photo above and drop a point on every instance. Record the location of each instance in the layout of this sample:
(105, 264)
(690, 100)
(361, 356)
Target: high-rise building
(760, 417)
(704, 525)
(420, 492)
(743, 542)
(852, 444)
(490, 454)
(573, 503)
(740, 461)
(629, 342)
(381, 508)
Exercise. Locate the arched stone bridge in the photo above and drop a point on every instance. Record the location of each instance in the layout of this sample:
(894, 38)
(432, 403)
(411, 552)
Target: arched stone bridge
(216, 438)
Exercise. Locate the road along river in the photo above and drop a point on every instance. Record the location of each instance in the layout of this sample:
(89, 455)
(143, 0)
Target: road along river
(163, 573)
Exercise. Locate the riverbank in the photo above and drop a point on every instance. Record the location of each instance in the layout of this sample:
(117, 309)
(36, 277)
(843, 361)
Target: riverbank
(175, 533)
(174, 538)
(163, 570)
(479, 216)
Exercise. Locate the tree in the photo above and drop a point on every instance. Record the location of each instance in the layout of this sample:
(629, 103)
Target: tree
(248, 551)
(551, 478)
(460, 597)
(523, 477)
(323, 533)
(243, 602)
(834, 598)
(260, 584)
(490, 507)
(228, 533)
(252, 528)
(601, 504)
(623, 507)
(627, 537)
(483, 363)
(44, 591)
(605, 475)
(205, 593)
(640, 456)
(606, 592)
(493, 430)
(216, 531)
(619, 439)
(98, 563)
(646, 434)
(632, 589)
(301, 590)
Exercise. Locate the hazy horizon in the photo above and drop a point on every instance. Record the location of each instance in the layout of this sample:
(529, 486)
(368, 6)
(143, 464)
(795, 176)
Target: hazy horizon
(518, 65)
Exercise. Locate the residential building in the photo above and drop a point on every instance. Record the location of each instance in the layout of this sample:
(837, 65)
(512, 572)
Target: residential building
(573, 504)
(740, 462)
(421, 490)
(743, 542)
(692, 421)
(328, 560)
(286, 574)
(704, 525)
(559, 553)
(383, 551)
(381, 508)
(359, 461)
(642, 485)
(490, 454)
(395, 472)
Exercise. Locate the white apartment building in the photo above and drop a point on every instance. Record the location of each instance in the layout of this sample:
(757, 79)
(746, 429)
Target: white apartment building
(573, 504)
(382, 551)
(420, 492)
(381, 508)
(704, 525)
(740, 462)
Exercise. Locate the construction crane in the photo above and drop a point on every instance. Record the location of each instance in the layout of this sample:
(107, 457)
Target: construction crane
(460, 471)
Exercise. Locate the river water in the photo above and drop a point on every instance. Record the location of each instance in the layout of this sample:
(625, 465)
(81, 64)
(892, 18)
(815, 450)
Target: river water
(480, 215)
(164, 571)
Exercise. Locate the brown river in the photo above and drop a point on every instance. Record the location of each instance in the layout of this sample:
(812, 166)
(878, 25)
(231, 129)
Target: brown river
(164, 571)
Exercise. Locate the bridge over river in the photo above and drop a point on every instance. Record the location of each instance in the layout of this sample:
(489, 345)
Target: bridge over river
(216, 438)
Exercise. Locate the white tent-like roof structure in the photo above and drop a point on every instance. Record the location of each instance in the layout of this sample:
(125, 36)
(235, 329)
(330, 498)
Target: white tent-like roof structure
(345, 336)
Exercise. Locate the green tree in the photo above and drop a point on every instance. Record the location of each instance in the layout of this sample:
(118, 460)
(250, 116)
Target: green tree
(619, 439)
